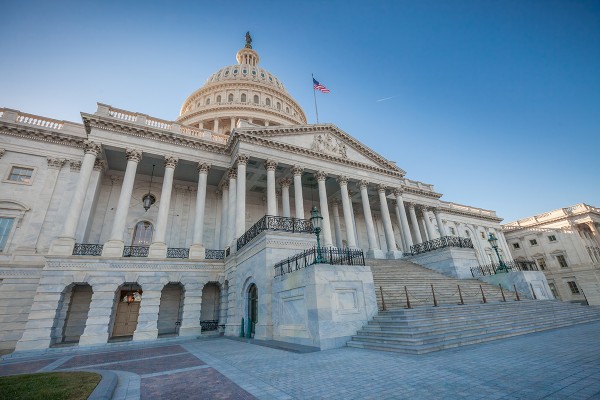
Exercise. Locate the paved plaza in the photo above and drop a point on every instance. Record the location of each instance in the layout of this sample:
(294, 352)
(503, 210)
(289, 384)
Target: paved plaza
(557, 364)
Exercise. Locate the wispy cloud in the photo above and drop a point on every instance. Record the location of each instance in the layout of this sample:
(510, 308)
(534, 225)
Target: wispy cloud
(384, 99)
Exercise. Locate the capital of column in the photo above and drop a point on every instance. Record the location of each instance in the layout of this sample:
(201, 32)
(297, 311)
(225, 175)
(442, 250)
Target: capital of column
(90, 147)
(342, 180)
(381, 188)
(242, 159)
(225, 186)
(55, 162)
(232, 173)
(435, 210)
(321, 175)
(75, 165)
(278, 193)
(99, 165)
(2, 151)
(170, 161)
(116, 179)
(297, 170)
(398, 192)
(363, 183)
(203, 168)
(411, 205)
(334, 202)
(270, 165)
(134, 155)
(285, 182)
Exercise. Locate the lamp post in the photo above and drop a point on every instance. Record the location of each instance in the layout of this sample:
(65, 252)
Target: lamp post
(149, 198)
(316, 220)
(494, 243)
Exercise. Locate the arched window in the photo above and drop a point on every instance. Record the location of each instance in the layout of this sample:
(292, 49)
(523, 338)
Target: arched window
(243, 97)
(287, 110)
(255, 99)
(230, 97)
(218, 98)
(278, 105)
(142, 235)
(268, 102)
(207, 101)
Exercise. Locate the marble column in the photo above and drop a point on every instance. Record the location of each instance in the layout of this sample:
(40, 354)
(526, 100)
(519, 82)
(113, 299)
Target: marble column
(240, 212)
(350, 194)
(115, 245)
(414, 223)
(216, 125)
(197, 250)
(403, 219)
(387, 224)
(270, 166)
(351, 240)
(232, 174)
(374, 250)
(297, 171)
(158, 248)
(64, 244)
(277, 199)
(428, 225)
(232, 123)
(285, 196)
(192, 307)
(440, 223)
(336, 223)
(224, 215)
(147, 324)
(327, 239)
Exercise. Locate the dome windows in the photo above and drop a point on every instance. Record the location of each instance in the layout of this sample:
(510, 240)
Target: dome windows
(278, 105)
(243, 98)
(244, 71)
(207, 101)
(256, 99)
(262, 75)
(287, 110)
(226, 72)
(218, 98)
(235, 71)
(230, 98)
(254, 72)
(268, 102)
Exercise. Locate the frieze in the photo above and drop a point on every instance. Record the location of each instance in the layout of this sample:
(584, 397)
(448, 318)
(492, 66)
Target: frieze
(166, 266)
(56, 162)
(326, 143)
(44, 136)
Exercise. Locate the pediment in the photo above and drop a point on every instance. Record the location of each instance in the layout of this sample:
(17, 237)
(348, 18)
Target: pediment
(325, 140)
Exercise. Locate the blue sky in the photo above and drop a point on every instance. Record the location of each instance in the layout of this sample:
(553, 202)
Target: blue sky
(496, 103)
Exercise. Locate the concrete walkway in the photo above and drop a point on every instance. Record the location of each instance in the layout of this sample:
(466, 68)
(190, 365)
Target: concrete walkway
(557, 364)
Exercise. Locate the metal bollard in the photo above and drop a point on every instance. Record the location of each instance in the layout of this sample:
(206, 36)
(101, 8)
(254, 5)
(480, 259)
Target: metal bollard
(242, 334)
(382, 299)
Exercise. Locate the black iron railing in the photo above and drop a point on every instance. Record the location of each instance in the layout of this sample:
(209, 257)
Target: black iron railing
(325, 255)
(178, 252)
(136, 251)
(444, 241)
(214, 254)
(506, 266)
(211, 325)
(274, 223)
(87, 249)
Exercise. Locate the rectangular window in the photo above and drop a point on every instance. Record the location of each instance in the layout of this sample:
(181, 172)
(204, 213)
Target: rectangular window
(533, 242)
(5, 225)
(20, 174)
(516, 245)
(552, 238)
(541, 263)
(553, 290)
(562, 262)
(573, 287)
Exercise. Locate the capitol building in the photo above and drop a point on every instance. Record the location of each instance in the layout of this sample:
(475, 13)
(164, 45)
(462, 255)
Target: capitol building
(124, 226)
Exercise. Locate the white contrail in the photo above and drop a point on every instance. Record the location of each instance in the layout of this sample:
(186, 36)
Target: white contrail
(387, 98)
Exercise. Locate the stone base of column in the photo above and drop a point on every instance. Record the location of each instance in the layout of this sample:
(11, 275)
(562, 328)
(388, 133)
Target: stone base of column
(34, 339)
(197, 252)
(63, 246)
(113, 248)
(150, 334)
(93, 339)
(376, 254)
(394, 255)
(191, 331)
(157, 250)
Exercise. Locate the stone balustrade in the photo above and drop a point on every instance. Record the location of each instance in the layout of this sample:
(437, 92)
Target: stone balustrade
(468, 209)
(21, 118)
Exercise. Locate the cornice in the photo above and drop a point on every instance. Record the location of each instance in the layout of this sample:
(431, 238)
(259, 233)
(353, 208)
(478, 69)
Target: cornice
(421, 192)
(42, 135)
(238, 107)
(468, 214)
(123, 127)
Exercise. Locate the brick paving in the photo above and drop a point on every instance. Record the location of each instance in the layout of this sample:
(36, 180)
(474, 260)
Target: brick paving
(556, 364)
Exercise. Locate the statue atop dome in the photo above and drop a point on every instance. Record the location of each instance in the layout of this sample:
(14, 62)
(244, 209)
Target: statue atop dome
(248, 40)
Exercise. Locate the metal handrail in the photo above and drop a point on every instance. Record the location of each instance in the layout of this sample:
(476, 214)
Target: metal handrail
(441, 242)
(323, 255)
(504, 267)
(274, 223)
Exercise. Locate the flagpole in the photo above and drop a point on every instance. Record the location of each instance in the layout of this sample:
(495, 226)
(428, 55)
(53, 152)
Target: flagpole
(315, 96)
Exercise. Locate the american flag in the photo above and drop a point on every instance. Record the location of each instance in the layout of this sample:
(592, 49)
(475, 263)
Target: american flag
(319, 87)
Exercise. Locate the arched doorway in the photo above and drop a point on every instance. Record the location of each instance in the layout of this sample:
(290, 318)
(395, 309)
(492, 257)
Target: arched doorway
(72, 313)
(211, 299)
(252, 307)
(128, 299)
(170, 309)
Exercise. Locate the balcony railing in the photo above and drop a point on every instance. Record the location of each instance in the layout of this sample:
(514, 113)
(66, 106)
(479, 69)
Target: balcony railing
(508, 266)
(214, 254)
(209, 325)
(136, 251)
(325, 255)
(178, 252)
(274, 223)
(87, 249)
(439, 243)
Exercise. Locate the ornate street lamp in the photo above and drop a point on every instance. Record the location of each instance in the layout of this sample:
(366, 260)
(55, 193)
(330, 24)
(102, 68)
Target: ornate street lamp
(317, 220)
(149, 198)
(494, 243)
